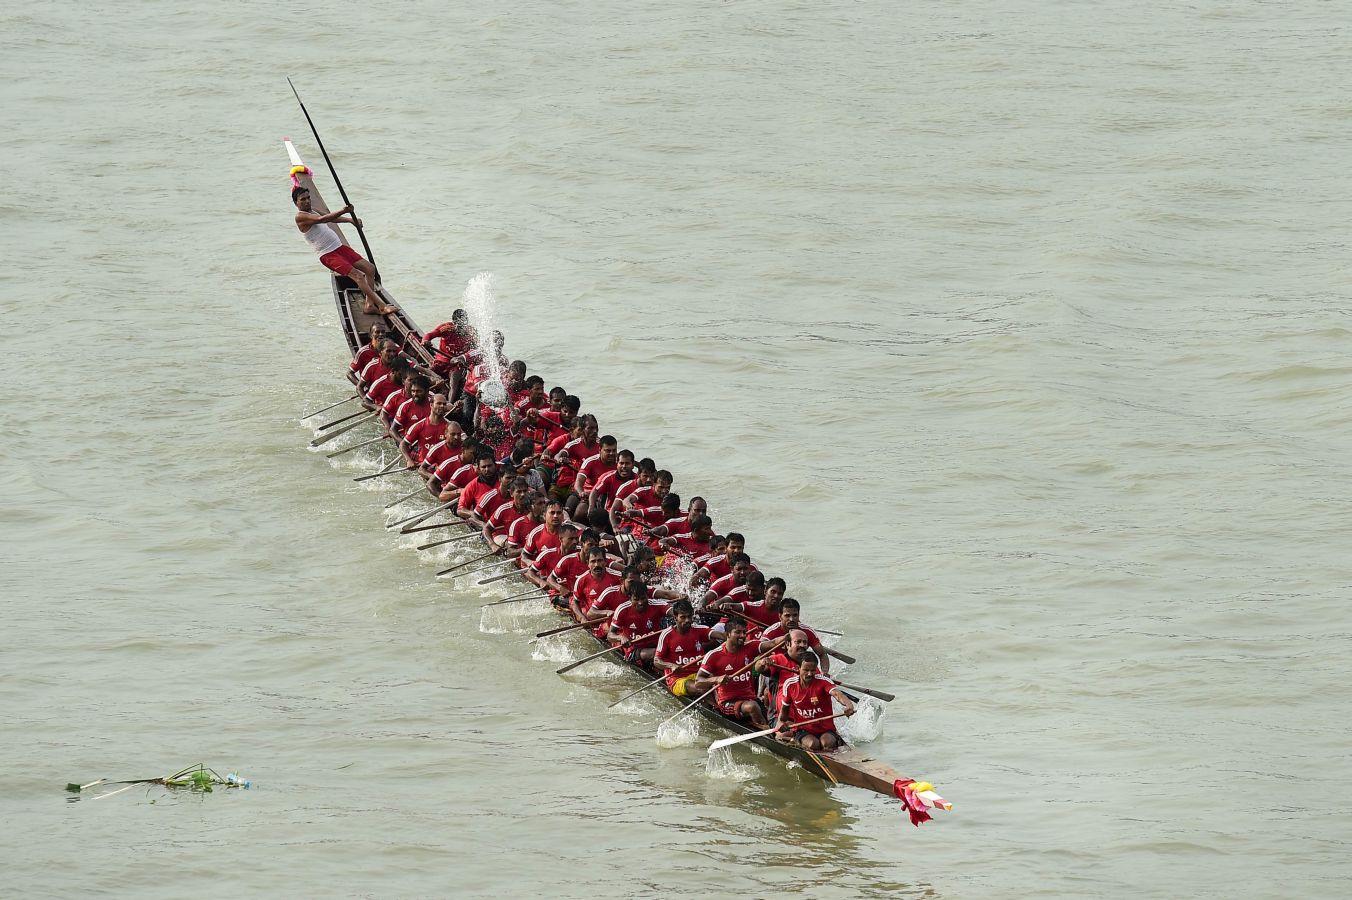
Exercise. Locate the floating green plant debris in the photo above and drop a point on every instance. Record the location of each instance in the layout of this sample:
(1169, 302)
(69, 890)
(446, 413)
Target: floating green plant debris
(196, 778)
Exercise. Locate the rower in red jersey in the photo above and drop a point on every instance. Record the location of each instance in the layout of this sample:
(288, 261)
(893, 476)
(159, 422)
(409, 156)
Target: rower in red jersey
(648, 518)
(396, 370)
(544, 536)
(534, 398)
(540, 569)
(692, 536)
(611, 599)
(455, 473)
(369, 351)
(572, 565)
(649, 495)
(416, 405)
(747, 603)
(446, 442)
(518, 536)
(805, 697)
(420, 437)
(736, 577)
(727, 667)
(377, 368)
(557, 420)
(636, 623)
(601, 496)
(779, 665)
(454, 336)
(564, 472)
(721, 565)
(593, 469)
(680, 648)
(506, 512)
(573, 455)
(646, 474)
(590, 586)
(789, 615)
(471, 499)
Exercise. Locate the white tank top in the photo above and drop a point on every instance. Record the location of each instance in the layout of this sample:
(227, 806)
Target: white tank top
(323, 238)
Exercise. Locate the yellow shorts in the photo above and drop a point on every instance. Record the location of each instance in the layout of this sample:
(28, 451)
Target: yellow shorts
(680, 684)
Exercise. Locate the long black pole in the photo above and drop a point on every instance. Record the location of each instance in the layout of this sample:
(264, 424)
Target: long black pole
(333, 172)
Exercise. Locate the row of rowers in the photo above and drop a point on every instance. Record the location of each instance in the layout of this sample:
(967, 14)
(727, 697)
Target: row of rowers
(587, 522)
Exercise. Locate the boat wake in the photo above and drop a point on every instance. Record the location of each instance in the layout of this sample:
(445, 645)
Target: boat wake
(555, 648)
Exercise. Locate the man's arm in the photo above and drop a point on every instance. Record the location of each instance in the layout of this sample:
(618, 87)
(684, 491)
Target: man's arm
(313, 218)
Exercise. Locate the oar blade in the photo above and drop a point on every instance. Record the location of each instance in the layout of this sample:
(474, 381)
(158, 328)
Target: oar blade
(737, 739)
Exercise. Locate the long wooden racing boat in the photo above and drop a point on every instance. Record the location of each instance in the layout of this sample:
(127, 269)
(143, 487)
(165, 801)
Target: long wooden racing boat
(847, 765)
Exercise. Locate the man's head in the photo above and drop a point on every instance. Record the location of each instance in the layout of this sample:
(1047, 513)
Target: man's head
(439, 405)
(630, 574)
(797, 644)
(662, 483)
(789, 613)
(487, 466)
(590, 430)
(671, 506)
(624, 464)
(301, 197)
(698, 508)
(417, 386)
(755, 586)
(379, 331)
(741, 565)
(637, 592)
(807, 665)
(736, 544)
(455, 434)
(682, 614)
(553, 515)
(596, 561)
(736, 634)
(701, 528)
(647, 471)
(608, 450)
(586, 541)
(774, 592)
(567, 539)
(521, 494)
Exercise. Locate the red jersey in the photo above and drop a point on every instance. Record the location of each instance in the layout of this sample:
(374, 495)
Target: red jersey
(722, 661)
(545, 560)
(691, 547)
(381, 388)
(423, 435)
(608, 485)
(526, 403)
(374, 371)
(579, 451)
(806, 701)
(758, 611)
(390, 405)
(682, 650)
(609, 600)
(588, 588)
(504, 517)
(626, 489)
(519, 531)
(631, 623)
(591, 471)
(644, 496)
(363, 358)
(540, 539)
(569, 569)
(723, 586)
(474, 493)
(553, 424)
(719, 566)
(453, 473)
(453, 343)
(434, 454)
(410, 413)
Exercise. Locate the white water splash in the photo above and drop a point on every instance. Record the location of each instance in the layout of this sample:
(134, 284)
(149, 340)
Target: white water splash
(478, 305)
(555, 648)
(866, 724)
(721, 766)
(508, 616)
(679, 732)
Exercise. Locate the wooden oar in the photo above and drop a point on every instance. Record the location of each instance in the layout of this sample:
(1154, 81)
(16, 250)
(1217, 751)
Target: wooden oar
(457, 521)
(468, 562)
(421, 515)
(370, 257)
(843, 657)
(492, 565)
(573, 665)
(502, 576)
(452, 540)
(384, 472)
(658, 680)
(320, 441)
(356, 446)
(532, 594)
(728, 742)
(562, 628)
(330, 406)
(691, 705)
(408, 496)
(340, 421)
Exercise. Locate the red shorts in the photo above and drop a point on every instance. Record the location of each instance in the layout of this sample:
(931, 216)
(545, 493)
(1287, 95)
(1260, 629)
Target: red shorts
(340, 260)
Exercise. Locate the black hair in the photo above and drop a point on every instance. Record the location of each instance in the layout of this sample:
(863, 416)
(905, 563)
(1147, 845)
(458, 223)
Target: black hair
(682, 606)
(671, 501)
(700, 522)
(739, 557)
(790, 603)
(297, 191)
(809, 656)
(636, 589)
(589, 534)
(647, 465)
(595, 550)
(608, 440)
(628, 453)
(420, 379)
(664, 475)
(737, 536)
(572, 402)
(776, 581)
(532, 380)
(755, 579)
